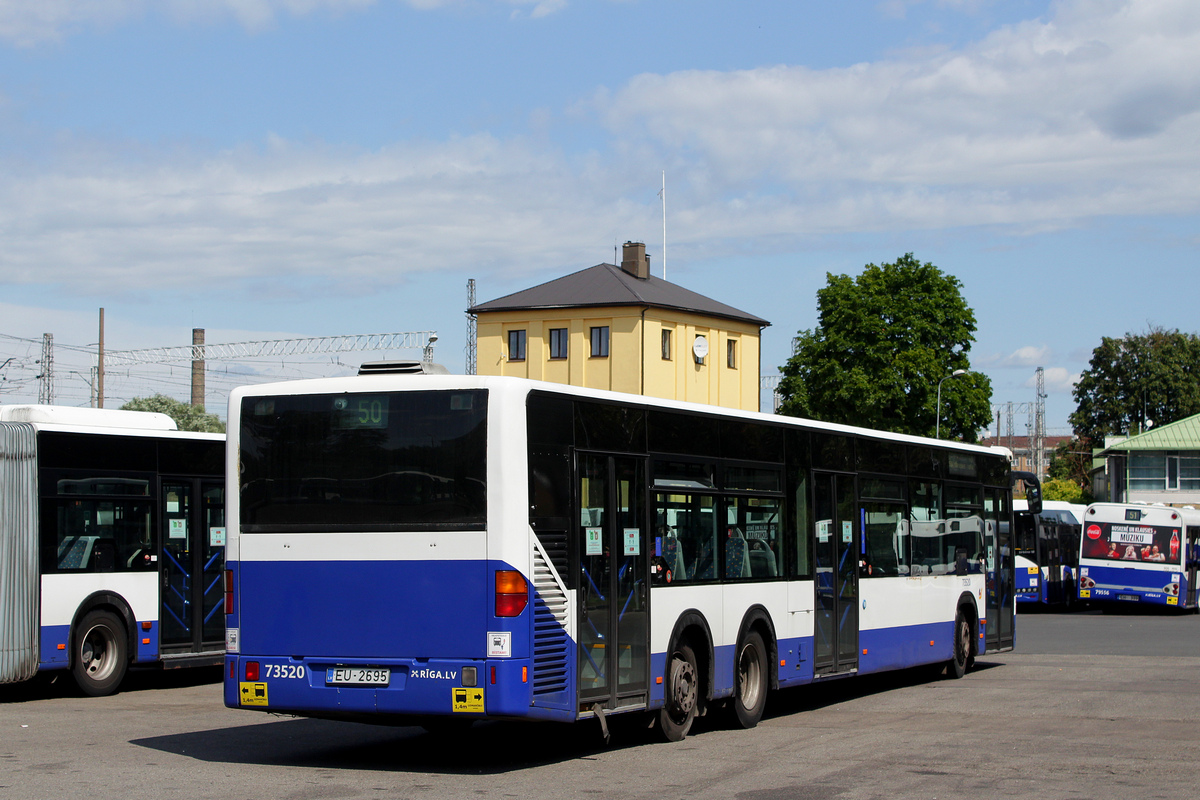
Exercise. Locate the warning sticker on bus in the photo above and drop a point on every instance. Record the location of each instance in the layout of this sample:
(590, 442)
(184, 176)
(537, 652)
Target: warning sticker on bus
(468, 700)
(253, 694)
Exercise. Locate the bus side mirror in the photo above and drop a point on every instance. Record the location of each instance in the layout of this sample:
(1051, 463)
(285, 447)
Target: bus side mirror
(1033, 490)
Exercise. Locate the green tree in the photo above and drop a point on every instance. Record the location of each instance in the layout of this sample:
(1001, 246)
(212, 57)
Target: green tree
(1072, 461)
(1062, 489)
(883, 342)
(1136, 381)
(187, 417)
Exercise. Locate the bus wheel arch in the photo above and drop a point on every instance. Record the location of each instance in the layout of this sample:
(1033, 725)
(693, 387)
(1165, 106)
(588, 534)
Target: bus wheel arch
(753, 677)
(688, 677)
(101, 643)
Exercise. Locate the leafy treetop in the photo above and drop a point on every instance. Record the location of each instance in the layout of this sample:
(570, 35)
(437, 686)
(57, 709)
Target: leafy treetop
(1138, 381)
(187, 417)
(883, 342)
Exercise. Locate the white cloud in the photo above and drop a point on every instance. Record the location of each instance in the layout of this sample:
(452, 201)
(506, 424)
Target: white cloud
(32, 22)
(1058, 380)
(1027, 357)
(1032, 127)
(300, 211)
(1041, 124)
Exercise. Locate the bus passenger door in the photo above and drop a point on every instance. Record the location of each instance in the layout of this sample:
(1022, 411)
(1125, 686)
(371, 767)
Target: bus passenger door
(837, 552)
(192, 533)
(1050, 557)
(1191, 560)
(613, 594)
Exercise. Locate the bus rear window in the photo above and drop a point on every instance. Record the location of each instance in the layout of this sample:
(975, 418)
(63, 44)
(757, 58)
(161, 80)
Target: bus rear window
(364, 462)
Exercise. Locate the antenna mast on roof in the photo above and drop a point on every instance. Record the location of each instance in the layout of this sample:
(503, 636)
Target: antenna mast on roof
(472, 347)
(663, 195)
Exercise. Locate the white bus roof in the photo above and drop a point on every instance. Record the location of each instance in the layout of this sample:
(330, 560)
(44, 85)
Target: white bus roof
(398, 382)
(1075, 509)
(69, 416)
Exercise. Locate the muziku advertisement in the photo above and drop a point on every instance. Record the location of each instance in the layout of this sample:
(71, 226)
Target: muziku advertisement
(1125, 542)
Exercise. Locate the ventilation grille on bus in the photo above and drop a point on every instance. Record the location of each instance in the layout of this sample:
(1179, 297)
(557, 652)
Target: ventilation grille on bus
(555, 542)
(550, 642)
(402, 368)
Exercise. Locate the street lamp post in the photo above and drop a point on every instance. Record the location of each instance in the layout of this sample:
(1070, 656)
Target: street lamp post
(937, 426)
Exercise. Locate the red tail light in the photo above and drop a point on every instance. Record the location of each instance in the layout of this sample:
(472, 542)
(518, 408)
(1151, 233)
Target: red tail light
(251, 670)
(228, 591)
(512, 593)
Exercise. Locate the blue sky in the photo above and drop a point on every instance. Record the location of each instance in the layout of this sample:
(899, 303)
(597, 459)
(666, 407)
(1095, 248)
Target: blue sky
(271, 169)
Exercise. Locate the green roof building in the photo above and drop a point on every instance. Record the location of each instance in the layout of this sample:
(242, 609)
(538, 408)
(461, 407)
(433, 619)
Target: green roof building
(1161, 465)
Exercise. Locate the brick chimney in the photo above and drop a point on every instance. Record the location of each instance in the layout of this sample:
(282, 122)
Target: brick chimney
(635, 261)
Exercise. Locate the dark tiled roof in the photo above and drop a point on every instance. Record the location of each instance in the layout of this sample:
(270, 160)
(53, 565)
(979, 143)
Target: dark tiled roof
(607, 285)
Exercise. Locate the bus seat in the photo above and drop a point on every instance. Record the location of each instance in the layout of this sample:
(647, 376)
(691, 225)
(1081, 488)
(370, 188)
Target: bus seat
(104, 555)
(737, 561)
(76, 552)
(706, 567)
(674, 557)
(762, 563)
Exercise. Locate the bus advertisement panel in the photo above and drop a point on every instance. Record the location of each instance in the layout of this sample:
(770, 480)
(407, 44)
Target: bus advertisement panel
(1139, 554)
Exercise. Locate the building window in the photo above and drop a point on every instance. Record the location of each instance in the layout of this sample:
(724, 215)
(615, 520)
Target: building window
(600, 342)
(1189, 473)
(558, 343)
(666, 345)
(731, 353)
(516, 345)
(1147, 472)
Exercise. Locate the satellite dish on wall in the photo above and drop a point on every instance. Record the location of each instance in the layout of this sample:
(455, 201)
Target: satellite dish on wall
(700, 348)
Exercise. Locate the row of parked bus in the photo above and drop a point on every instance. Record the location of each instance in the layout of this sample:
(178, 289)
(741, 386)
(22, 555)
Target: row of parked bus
(1109, 554)
(437, 549)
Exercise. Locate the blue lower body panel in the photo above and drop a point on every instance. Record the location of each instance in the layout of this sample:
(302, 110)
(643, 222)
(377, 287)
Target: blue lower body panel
(1131, 585)
(909, 646)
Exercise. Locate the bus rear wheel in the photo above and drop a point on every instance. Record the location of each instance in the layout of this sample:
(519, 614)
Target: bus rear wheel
(957, 667)
(100, 655)
(750, 681)
(682, 695)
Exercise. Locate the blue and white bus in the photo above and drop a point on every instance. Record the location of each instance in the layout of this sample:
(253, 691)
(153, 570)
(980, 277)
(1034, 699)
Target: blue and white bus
(1048, 553)
(437, 549)
(112, 540)
(1139, 553)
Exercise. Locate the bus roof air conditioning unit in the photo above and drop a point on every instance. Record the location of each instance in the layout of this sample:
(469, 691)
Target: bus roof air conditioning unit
(402, 368)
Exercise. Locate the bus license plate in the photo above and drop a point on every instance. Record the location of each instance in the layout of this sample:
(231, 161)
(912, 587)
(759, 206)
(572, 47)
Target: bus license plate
(362, 676)
(1132, 597)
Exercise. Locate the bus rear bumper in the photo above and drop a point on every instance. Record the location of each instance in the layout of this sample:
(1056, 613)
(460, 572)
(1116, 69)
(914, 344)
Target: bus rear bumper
(330, 687)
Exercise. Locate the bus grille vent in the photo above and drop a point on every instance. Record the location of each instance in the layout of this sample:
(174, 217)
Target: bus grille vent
(550, 641)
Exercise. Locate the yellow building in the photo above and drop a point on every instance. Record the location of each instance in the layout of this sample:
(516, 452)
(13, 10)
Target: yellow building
(620, 328)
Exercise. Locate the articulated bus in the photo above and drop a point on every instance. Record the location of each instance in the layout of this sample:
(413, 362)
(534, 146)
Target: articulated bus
(436, 549)
(1048, 554)
(1139, 553)
(112, 540)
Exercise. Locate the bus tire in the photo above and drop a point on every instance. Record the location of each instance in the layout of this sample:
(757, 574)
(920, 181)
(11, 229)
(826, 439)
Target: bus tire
(100, 656)
(957, 666)
(682, 694)
(750, 680)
